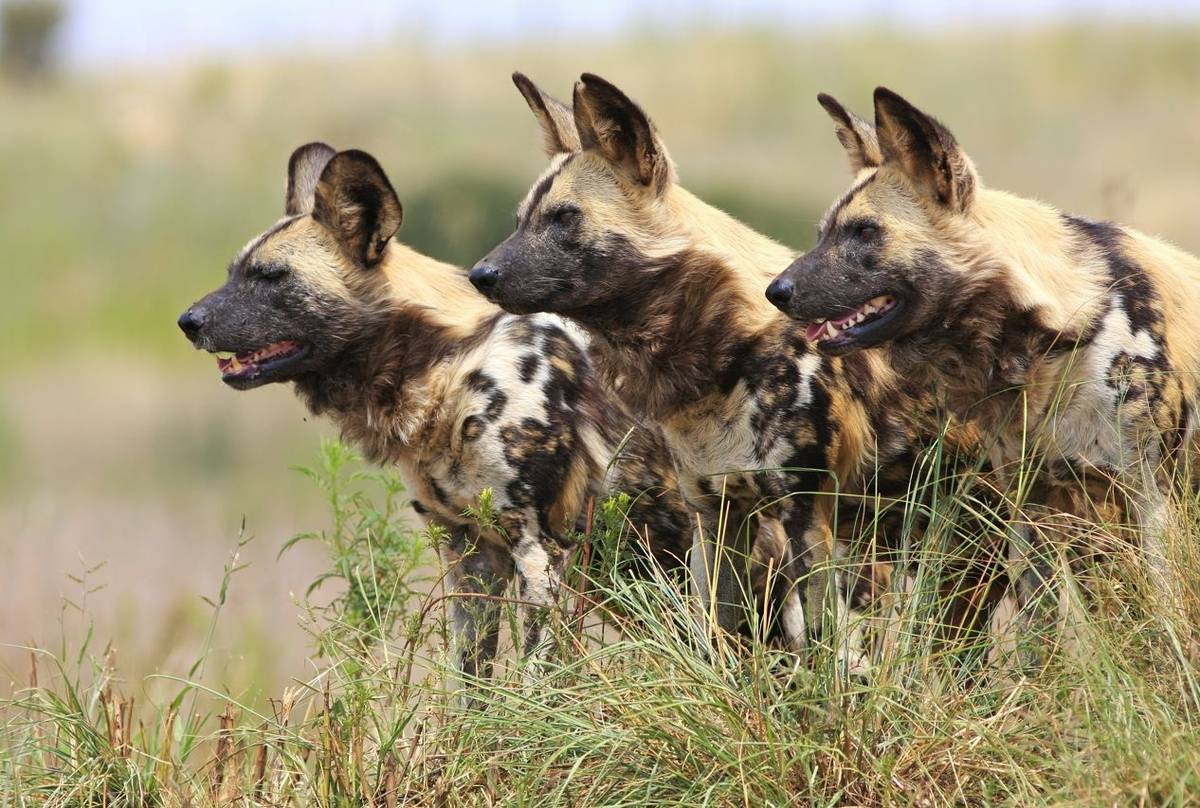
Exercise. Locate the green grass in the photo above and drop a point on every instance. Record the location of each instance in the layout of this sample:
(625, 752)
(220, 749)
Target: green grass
(651, 713)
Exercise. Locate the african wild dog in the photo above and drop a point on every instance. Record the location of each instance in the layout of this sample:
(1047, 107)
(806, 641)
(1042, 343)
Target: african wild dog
(670, 288)
(1070, 339)
(419, 371)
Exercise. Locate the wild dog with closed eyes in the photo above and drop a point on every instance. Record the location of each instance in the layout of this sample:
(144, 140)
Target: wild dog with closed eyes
(1073, 340)
(670, 289)
(419, 371)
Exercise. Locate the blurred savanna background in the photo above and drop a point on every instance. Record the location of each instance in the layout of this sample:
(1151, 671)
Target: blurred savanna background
(142, 144)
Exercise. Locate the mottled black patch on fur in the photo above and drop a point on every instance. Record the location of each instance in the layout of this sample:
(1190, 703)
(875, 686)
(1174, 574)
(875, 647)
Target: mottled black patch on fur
(568, 368)
(1024, 338)
(738, 363)
(497, 401)
(1130, 281)
(480, 382)
(512, 524)
(540, 454)
(978, 344)
(472, 427)
(528, 367)
(363, 381)
(812, 431)
(781, 415)
(419, 509)
(1135, 378)
(891, 408)
(645, 471)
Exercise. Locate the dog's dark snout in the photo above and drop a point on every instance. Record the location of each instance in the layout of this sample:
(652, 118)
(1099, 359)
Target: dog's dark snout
(484, 277)
(191, 321)
(780, 291)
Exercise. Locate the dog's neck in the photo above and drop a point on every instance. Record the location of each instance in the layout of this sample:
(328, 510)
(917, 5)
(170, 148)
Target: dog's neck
(440, 291)
(1032, 288)
(686, 329)
(982, 349)
(383, 385)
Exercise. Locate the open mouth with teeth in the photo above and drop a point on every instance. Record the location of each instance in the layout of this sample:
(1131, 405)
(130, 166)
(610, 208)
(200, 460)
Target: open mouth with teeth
(868, 324)
(258, 366)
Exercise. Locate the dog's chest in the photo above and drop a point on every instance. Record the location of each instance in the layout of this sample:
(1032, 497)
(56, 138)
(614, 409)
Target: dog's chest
(761, 424)
(509, 413)
(1103, 395)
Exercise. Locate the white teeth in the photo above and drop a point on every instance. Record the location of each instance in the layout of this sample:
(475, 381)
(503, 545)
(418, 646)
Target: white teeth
(829, 329)
(224, 354)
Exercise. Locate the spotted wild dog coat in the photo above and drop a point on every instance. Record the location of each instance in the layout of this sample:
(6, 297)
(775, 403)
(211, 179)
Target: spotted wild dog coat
(1070, 341)
(420, 372)
(764, 429)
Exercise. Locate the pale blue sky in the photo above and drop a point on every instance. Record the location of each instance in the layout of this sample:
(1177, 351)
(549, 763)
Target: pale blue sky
(103, 32)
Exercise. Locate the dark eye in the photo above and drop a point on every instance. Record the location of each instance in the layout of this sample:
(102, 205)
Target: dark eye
(866, 230)
(272, 272)
(564, 215)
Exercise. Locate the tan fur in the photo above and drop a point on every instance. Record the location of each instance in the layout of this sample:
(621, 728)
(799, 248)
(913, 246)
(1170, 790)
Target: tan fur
(439, 289)
(1030, 238)
(1176, 274)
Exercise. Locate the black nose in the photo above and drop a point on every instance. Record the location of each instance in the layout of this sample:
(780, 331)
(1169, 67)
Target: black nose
(484, 276)
(780, 291)
(191, 321)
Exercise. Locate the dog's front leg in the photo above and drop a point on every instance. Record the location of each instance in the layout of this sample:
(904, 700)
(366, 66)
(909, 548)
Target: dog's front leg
(825, 595)
(539, 561)
(720, 555)
(1149, 484)
(714, 577)
(477, 576)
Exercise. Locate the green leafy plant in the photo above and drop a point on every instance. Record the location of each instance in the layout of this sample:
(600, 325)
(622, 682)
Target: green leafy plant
(375, 554)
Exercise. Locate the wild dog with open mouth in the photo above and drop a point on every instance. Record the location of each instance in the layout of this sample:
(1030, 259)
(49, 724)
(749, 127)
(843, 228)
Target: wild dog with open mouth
(419, 371)
(670, 289)
(1071, 339)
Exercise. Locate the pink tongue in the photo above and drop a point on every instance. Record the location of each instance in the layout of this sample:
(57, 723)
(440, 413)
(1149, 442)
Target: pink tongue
(813, 331)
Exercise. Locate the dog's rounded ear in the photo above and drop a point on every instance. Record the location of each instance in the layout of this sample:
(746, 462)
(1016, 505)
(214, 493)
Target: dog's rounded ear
(856, 135)
(556, 118)
(304, 170)
(924, 150)
(618, 128)
(355, 200)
